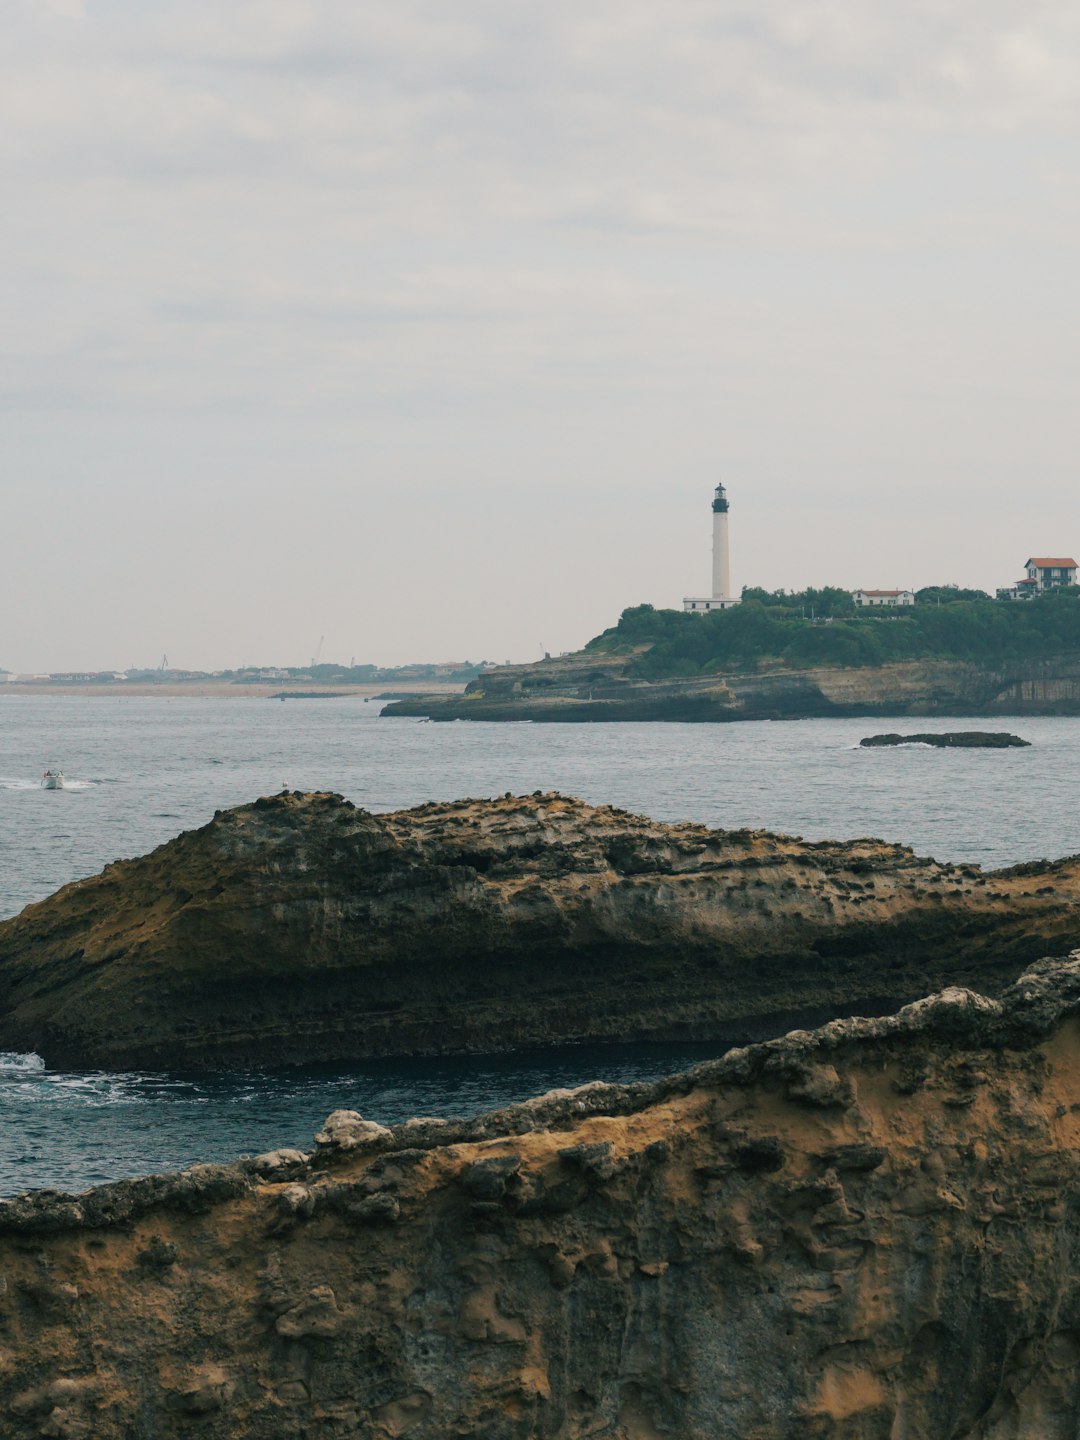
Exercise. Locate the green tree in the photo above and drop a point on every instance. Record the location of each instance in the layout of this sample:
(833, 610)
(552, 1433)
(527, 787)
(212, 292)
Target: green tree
(771, 627)
(947, 595)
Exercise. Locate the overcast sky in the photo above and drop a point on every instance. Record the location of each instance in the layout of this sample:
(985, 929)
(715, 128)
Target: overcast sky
(430, 327)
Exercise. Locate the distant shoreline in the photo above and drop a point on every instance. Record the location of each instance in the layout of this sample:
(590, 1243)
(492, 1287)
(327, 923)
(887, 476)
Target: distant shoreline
(220, 689)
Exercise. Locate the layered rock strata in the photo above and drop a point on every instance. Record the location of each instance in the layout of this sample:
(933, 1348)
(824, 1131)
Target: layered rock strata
(871, 1232)
(596, 686)
(300, 928)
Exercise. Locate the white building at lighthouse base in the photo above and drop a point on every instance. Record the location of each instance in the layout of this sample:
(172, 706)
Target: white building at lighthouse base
(703, 603)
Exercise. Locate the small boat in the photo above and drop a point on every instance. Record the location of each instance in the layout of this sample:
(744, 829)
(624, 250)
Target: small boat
(52, 780)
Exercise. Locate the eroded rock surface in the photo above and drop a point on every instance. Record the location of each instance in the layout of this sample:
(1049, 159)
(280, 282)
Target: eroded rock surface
(867, 1232)
(300, 928)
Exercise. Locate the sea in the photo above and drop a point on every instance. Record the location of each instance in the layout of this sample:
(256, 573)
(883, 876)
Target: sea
(140, 770)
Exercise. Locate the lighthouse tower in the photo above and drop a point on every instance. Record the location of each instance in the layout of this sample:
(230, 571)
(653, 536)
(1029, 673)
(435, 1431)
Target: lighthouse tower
(721, 597)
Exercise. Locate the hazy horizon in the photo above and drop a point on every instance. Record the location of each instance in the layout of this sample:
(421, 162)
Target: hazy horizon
(431, 332)
(166, 666)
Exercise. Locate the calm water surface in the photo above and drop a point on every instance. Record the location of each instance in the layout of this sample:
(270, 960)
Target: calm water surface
(144, 769)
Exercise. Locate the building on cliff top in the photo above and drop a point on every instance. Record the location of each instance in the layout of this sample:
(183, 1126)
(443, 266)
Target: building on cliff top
(1041, 573)
(721, 597)
(866, 598)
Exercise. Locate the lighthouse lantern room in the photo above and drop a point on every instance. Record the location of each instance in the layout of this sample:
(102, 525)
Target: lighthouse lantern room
(721, 597)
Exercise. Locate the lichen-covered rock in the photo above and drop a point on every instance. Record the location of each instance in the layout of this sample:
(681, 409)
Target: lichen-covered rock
(866, 1232)
(278, 1163)
(300, 928)
(348, 1130)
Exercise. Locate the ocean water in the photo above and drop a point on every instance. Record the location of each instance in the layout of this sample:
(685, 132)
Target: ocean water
(141, 770)
(69, 1131)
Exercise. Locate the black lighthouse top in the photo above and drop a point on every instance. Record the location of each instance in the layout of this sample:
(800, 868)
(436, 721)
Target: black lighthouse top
(720, 501)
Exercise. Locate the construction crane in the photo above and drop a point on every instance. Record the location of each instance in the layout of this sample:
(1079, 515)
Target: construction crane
(318, 653)
(164, 663)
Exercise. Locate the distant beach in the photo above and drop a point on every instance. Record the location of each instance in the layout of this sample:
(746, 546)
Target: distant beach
(227, 689)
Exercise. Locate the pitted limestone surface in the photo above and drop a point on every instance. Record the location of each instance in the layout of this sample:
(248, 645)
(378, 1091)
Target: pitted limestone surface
(860, 1233)
(300, 928)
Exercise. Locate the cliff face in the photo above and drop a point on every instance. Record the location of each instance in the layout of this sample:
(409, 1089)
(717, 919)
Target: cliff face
(598, 686)
(300, 928)
(867, 1233)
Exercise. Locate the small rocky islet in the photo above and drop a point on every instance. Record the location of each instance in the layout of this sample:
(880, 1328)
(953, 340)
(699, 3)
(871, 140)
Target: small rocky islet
(951, 740)
(856, 1232)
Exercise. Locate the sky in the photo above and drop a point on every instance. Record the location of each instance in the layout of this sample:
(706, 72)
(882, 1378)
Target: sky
(429, 329)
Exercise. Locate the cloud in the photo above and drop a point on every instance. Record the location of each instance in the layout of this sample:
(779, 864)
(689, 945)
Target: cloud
(801, 233)
(667, 114)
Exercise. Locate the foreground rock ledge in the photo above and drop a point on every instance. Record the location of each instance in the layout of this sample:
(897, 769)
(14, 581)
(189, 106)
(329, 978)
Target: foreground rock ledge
(300, 928)
(867, 1232)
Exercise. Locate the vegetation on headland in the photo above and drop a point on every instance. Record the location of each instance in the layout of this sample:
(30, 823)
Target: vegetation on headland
(831, 601)
(823, 627)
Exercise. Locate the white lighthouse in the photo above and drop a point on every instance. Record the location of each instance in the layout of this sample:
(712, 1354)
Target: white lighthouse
(721, 597)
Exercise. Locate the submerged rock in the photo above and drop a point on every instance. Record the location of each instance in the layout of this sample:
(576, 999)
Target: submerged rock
(858, 1233)
(954, 740)
(300, 928)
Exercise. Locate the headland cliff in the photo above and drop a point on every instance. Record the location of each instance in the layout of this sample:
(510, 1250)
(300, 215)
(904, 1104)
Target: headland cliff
(300, 928)
(870, 1232)
(599, 686)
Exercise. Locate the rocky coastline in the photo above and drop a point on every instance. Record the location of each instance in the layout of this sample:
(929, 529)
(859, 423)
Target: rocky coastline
(602, 687)
(859, 1233)
(300, 928)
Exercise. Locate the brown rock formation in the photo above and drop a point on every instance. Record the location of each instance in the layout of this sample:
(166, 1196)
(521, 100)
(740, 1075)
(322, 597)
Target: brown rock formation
(300, 928)
(866, 1233)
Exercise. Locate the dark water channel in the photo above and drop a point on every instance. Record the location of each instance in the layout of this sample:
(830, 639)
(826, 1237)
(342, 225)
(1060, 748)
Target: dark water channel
(69, 1131)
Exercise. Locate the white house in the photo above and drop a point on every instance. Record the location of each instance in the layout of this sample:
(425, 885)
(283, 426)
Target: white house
(867, 598)
(1048, 573)
(1041, 573)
